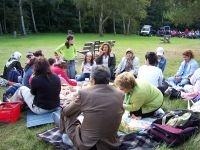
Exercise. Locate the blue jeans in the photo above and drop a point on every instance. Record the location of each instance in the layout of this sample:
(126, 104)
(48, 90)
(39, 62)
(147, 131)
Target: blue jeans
(172, 81)
(71, 71)
(83, 76)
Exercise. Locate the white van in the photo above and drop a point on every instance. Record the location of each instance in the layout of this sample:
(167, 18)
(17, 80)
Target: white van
(146, 30)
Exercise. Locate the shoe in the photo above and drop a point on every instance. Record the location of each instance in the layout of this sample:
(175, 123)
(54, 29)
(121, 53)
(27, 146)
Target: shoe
(56, 118)
(175, 94)
(168, 91)
(5, 98)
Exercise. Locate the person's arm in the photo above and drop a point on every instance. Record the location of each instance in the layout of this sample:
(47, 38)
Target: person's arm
(112, 61)
(136, 66)
(132, 103)
(73, 106)
(180, 70)
(34, 86)
(64, 75)
(82, 66)
(163, 64)
(160, 80)
(194, 66)
(59, 48)
(119, 67)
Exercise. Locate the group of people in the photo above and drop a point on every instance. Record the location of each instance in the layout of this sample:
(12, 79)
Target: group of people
(137, 90)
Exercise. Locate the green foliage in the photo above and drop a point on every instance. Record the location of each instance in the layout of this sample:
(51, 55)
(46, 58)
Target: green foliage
(183, 12)
(17, 136)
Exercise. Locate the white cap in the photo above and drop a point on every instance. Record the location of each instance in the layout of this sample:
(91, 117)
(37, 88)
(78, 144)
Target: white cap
(160, 51)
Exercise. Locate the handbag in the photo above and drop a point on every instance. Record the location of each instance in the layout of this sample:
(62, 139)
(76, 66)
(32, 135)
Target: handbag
(175, 127)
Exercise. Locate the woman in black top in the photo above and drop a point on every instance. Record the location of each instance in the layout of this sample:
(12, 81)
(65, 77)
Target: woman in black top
(45, 89)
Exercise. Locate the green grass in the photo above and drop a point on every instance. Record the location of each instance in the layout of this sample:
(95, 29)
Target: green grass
(17, 136)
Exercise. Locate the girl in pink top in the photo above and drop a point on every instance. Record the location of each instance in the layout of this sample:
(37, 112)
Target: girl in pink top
(59, 69)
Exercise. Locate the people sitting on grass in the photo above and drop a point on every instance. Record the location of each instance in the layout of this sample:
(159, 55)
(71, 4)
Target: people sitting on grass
(141, 98)
(59, 69)
(107, 58)
(13, 70)
(129, 63)
(191, 91)
(86, 67)
(149, 72)
(185, 71)
(161, 58)
(43, 96)
(102, 108)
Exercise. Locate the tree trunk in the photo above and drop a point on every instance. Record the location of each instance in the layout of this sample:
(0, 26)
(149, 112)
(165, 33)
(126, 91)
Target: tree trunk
(49, 21)
(4, 17)
(124, 25)
(33, 18)
(128, 25)
(101, 23)
(79, 19)
(22, 18)
(114, 28)
(1, 31)
(94, 20)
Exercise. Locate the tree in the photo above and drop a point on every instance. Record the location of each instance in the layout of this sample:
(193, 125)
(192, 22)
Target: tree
(30, 2)
(132, 11)
(22, 18)
(183, 12)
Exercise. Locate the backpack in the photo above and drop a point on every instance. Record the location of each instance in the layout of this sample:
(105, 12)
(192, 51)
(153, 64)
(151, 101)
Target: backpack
(175, 127)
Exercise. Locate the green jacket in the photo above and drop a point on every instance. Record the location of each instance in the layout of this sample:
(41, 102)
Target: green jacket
(145, 96)
(67, 53)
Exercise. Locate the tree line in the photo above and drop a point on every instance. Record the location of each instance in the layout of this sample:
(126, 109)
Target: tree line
(95, 16)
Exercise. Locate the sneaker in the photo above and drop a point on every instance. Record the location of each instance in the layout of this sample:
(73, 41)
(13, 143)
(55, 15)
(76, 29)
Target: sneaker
(56, 118)
(168, 91)
(5, 98)
(175, 94)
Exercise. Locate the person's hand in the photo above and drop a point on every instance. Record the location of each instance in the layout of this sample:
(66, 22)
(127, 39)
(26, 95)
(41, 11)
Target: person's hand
(178, 78)
(134, 117)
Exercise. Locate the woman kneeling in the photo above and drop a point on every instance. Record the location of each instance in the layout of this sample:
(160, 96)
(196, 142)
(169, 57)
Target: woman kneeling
(141, 98)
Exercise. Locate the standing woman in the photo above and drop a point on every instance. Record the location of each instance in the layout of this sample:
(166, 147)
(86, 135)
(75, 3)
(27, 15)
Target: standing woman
(68, 52)
(107, 58)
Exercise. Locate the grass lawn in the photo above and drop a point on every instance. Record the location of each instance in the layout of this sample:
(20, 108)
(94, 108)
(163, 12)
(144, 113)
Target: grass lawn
(17, 136)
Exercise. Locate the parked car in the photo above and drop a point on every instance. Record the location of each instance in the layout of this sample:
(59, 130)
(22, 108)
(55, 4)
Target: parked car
(147, 30)
(165, 30)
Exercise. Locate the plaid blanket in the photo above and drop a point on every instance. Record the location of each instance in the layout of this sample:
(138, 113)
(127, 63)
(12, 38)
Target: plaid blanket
(129, 141)
(54, 137)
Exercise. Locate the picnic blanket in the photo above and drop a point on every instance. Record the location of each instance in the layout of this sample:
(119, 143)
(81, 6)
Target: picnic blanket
(129, 141)
(139, 125)
(33, 119)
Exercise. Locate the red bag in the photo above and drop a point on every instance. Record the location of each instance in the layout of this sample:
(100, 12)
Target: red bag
(170, 135)
(9, 112)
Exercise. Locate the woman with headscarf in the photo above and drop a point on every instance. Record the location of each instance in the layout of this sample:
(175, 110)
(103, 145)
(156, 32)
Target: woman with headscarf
(13, 63)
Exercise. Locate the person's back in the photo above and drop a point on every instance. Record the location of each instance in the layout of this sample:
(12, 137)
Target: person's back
(46, 91)
(102, 109)
(150, 74)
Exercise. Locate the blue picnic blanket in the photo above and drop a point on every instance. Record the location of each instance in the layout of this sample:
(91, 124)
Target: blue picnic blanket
(33, 119)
